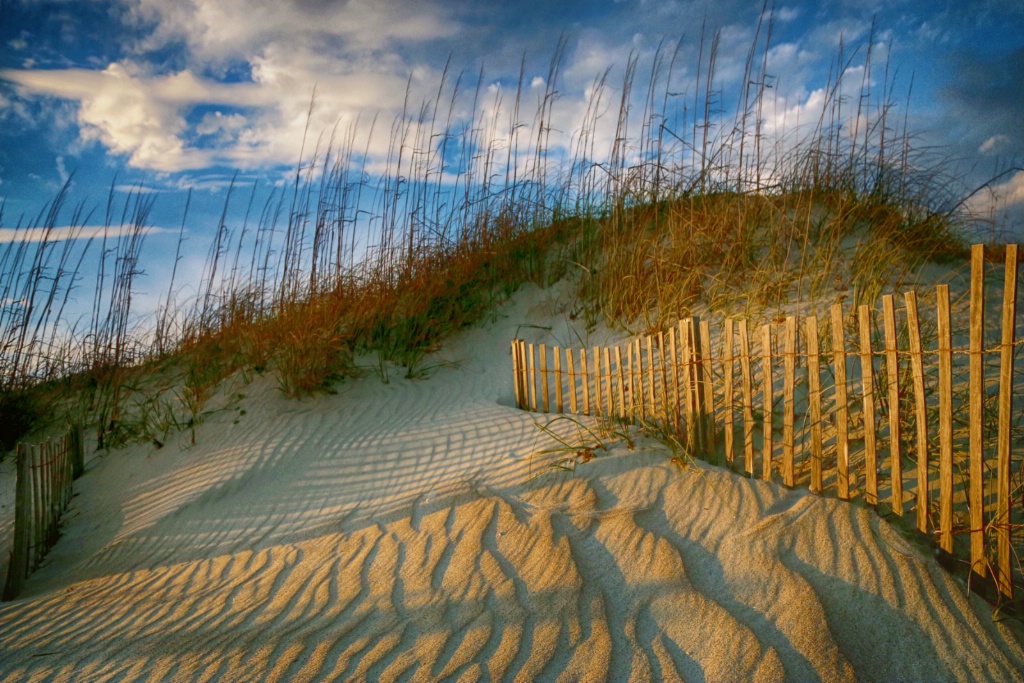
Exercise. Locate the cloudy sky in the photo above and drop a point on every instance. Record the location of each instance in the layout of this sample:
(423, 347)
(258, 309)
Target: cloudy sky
(175, 94)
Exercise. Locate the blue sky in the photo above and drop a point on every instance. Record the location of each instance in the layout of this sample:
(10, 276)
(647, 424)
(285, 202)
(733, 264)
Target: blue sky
(175, 94)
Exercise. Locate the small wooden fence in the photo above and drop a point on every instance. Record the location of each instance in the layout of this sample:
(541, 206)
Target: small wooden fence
(42, 492)
(868, 430)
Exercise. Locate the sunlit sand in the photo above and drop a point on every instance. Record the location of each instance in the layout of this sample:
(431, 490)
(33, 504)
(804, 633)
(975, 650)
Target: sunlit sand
(412, 531)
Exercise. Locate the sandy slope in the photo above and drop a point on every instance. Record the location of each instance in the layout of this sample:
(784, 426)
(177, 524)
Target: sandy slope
(393, 531)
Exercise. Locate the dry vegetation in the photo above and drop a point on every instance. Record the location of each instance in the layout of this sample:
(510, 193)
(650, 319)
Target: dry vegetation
(686, 209)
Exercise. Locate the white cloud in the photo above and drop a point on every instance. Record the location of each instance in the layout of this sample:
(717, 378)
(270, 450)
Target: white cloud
(135, 114)
(994, 144)
(231, 29)
(358, 57)
(72, 232)
(290, 49)
(1011, 193)
(787, 14)
(219, 122)
(62, 170)
(136, 189)
(1001, 203)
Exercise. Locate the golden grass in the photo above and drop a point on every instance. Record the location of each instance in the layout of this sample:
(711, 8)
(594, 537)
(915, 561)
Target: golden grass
(712, 220)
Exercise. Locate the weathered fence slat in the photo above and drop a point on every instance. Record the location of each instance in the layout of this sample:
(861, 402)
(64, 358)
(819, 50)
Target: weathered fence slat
(531, 368)
(687, 399)
(524, 375)
(976, 502)
(77, 451)
(559, 397)
(748, 399)
(571, 369)
(585, 381)
(515, 373)
(609, 402)
(789, 400)
(673, 351)
(707, 376)
(700, 406)
(920, 410)
(892, 373)
(841, 409)
(598, 408)
(651, 389)
(945, 344)
(663, 353)
(814, 400)
(638, 381)
(768, 396)
(622, 386)
(543, 349)
(727, 401)
(1004, 576)
(867, 370)
(37, 505)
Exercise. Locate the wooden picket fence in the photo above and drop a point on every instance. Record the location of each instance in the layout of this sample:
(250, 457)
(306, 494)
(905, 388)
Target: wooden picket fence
(42, 492)
(867, 431)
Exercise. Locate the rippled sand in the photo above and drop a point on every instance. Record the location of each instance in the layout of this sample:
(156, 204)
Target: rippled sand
(401, 532)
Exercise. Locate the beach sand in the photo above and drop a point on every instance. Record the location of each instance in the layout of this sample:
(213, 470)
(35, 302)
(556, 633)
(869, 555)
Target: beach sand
(412, 530)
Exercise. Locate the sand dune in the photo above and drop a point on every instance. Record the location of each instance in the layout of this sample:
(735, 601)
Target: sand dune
(400, 532)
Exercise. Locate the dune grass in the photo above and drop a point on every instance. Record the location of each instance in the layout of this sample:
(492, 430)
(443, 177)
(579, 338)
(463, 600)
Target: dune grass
(688, 208)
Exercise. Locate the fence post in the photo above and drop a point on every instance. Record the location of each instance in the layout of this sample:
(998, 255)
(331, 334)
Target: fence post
(69, 472)
(651, 388)
(663, 355)
(38, 524)
(842, 416)
(814, 398)
(689, 410)
(531, 368)
(515, 373)
(977, 388)
(789, 401)
(727, 402)
(523, 376)
(700, 378)
(892, 371)
(586, 381)
(18, 569)
(768, 396)
(674, 355)
(638, 381)
(622, 385)
(704, 333)
(867, 369)
(609, 398)
(559, 403)
(1003, 551)
(921, 410)
(570, 367)
(748, 398)
(945, 343)
(543, 350)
